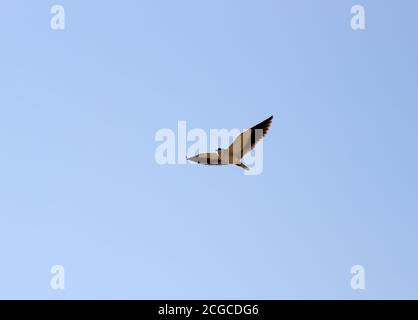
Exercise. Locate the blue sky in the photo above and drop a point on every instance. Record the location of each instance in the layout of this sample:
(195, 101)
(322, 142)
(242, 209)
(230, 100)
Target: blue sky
(79, 185)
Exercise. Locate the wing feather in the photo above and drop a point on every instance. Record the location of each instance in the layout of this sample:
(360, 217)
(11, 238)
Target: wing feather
(247, 140)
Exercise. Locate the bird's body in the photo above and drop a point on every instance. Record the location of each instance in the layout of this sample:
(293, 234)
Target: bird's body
(207, 158)
(243, 144)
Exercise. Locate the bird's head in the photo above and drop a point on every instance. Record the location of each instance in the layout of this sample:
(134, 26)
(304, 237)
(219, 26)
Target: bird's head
(194, 158)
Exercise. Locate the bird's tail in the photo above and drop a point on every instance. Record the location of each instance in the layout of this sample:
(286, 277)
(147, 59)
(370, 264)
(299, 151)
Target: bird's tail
(241, 165)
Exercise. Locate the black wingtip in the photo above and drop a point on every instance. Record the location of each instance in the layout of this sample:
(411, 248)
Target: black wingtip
(269, 119)
(265, 123)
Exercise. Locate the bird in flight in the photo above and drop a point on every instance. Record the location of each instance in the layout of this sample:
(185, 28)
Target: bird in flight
(243, 144)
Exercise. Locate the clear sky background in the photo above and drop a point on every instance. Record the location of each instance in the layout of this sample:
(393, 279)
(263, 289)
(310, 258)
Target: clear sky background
(79, 185)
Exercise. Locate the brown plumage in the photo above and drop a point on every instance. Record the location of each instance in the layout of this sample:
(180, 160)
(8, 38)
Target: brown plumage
(243, 144)
(247, 140)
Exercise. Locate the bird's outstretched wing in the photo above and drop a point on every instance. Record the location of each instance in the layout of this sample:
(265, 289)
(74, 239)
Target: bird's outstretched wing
(247, 140)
